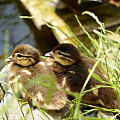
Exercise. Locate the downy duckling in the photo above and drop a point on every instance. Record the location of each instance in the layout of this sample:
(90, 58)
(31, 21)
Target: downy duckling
(25, 66)
(72, 71)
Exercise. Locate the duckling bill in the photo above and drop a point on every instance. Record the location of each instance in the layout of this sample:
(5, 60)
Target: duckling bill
(25, 66)
(73, 71)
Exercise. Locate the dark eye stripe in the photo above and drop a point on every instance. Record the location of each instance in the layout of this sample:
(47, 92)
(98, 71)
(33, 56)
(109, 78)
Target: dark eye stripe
(60, 53)
(67, 56)
(20, 55)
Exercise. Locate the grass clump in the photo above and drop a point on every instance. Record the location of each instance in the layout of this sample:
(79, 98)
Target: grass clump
(107, 54)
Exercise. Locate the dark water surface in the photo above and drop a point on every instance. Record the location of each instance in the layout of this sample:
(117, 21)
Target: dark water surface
(19, 32)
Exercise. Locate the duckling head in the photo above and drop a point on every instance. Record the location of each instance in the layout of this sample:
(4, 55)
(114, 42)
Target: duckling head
(66, 54)
(25, 55)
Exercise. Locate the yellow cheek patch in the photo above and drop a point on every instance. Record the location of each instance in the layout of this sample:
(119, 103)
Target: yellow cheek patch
(23, 60)
(65, 60)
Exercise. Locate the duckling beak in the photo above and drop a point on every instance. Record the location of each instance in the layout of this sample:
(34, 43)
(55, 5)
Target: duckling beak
(9, 59)
(49, 54)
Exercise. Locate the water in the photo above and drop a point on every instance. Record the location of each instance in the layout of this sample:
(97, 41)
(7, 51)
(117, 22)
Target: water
(19, 32)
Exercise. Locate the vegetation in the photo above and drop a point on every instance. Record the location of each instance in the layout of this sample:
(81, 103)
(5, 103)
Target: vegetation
(108, 56)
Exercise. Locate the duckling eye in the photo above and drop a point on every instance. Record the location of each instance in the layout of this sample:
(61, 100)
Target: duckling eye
(59, 53)
(19, 55)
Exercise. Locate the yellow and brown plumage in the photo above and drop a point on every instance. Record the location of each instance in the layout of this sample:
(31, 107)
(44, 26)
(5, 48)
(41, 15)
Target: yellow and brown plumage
(25, 67)
(73, 72)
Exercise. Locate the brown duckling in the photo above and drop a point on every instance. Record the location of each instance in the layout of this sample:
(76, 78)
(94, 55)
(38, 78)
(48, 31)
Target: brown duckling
(72, 71)
(25, 66)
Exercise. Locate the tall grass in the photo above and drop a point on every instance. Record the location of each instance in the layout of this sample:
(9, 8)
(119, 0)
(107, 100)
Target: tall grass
(106, 49)
(6, 45)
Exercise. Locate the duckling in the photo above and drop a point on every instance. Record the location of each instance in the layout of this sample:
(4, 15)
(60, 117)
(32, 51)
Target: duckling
(25, 66)
(72, 71)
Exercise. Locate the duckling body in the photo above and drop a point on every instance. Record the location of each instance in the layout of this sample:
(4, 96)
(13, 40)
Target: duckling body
(73, 77)
(25, 67)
